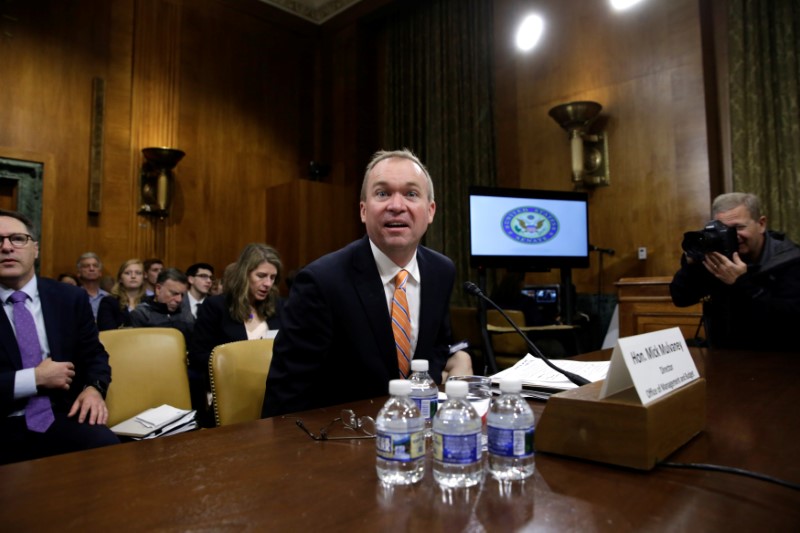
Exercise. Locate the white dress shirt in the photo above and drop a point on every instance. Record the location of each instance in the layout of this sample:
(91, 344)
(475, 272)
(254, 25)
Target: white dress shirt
(388, 271)
(25, 379)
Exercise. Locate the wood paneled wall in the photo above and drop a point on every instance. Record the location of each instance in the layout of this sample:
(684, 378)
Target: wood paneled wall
(230, 82)
(252, 94)
(645, 67)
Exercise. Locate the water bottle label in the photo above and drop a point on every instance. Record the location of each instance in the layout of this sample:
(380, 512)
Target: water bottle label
(457, 449)
(427, 407)
(510, 442)
(403, 447)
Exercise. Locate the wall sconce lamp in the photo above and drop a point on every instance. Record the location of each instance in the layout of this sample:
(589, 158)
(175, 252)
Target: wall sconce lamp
(156, 180)
(589, 150)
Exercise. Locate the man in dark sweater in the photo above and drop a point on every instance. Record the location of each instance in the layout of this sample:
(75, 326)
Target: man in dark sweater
(751, 301)
(164, 309)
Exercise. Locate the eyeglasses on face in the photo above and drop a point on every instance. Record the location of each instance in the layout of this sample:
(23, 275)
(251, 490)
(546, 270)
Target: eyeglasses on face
(17, 240)
(204, 276)
(350, 421)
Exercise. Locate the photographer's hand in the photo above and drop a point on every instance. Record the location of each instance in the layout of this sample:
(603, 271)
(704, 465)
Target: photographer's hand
(724, 269)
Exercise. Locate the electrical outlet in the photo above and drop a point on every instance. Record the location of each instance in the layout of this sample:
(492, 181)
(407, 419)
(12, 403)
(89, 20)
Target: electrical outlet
(643, 252)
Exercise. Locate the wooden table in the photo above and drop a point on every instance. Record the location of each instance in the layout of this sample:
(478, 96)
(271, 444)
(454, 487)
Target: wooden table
(269, 475)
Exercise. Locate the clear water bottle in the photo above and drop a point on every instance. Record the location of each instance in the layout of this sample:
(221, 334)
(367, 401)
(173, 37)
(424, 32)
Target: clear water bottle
(400, 437)
(424, 392)
(457, 453)
(510, 426)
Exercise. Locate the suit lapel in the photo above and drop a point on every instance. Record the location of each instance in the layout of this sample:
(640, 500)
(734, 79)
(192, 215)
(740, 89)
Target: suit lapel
(9, 346)
(367, 283)
(50, 310)
(233, 329)
(428, 297)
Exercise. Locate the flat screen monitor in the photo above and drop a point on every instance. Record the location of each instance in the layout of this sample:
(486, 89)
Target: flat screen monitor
(528, 230)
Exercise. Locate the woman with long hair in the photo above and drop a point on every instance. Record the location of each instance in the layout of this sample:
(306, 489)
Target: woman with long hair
(127, 293)
(249, 308)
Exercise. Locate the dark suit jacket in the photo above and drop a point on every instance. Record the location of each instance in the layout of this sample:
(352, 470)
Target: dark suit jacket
(72, 335)
(215, 326)
(336, 343)
(110, 316)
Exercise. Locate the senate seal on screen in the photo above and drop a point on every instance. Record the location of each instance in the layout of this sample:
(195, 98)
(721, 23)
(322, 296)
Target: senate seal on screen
(530, 225)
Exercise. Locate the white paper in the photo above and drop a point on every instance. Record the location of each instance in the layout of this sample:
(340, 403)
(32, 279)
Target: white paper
(184, 423)
(654, 363)
(533, 372)
(158, 416)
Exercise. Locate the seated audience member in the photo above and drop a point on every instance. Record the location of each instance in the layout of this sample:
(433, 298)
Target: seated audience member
(216, 287)
(356, 317)
(752, 299)
(53, 370)
(249, 309)
(163, 309)
(127, 293)
(201, 277)
(107, 283)
(90, 270)
(152, 268)
(69, 279)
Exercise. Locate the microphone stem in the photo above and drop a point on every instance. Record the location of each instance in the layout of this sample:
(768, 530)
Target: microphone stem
(574, 378)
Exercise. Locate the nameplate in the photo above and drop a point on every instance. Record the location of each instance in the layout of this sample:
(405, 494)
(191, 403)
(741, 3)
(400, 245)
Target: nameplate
(654, 363)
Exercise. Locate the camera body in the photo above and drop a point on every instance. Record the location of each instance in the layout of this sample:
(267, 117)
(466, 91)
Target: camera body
(714, 237)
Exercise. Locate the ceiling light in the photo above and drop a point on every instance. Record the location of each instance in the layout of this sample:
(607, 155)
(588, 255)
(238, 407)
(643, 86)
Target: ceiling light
(529, 32)
(620, 5)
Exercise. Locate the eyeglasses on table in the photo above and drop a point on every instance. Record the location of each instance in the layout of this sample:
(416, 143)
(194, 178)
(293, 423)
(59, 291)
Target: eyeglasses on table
(351, 422)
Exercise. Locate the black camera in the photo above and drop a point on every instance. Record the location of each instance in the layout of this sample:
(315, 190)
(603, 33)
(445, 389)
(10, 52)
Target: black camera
(714, 237)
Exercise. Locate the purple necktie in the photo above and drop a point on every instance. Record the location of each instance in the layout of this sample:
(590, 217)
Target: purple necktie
(39, 412)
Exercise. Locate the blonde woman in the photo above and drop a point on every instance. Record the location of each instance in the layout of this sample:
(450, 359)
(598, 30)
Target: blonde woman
(128, 291)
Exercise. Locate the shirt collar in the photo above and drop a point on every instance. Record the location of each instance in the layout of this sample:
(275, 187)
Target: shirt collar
(388, 270)
(31, 289)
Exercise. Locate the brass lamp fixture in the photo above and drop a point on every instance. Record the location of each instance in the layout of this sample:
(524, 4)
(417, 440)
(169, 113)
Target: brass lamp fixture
(589, 150)
(157, 181)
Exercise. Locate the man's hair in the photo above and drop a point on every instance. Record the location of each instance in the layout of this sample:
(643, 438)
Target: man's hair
(237, 282)
(405, 153)
(22, 218)
(150, 262)
(732, 200)
(171, 274)
(192, 270)
(88, 255)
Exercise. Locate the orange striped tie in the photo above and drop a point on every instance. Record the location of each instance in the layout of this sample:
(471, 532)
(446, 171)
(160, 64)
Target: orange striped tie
(401, 323)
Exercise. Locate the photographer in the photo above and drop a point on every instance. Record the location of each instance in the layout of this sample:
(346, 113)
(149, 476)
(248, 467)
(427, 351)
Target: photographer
(750, 288)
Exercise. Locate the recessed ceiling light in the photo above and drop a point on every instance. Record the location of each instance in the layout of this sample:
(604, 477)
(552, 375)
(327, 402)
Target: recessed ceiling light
(529, 32)
(619, 5)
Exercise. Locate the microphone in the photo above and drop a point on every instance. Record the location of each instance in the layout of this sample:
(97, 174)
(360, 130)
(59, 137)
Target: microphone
(473, 289)
(608, 251)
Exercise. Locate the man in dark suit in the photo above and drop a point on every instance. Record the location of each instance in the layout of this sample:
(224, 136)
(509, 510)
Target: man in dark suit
(53, 370)
(337, 340)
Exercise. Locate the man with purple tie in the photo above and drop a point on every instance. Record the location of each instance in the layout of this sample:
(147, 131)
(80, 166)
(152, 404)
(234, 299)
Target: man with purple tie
(53, 370)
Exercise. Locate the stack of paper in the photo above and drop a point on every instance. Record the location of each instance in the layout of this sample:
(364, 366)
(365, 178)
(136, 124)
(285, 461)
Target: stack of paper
(535, 374)
(157, 422)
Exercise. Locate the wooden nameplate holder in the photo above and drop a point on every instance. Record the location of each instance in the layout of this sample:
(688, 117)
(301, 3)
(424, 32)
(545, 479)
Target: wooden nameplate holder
(620, 430)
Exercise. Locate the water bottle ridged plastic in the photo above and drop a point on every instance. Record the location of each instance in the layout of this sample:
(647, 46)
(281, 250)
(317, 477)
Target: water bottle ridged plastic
(400, 440)
(457, 453)
(424, 392)
(510, 426)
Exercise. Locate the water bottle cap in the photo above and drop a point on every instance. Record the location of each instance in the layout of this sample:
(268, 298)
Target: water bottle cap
(419, 365)
(399, 387)
(456, 389)
(510, 385)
